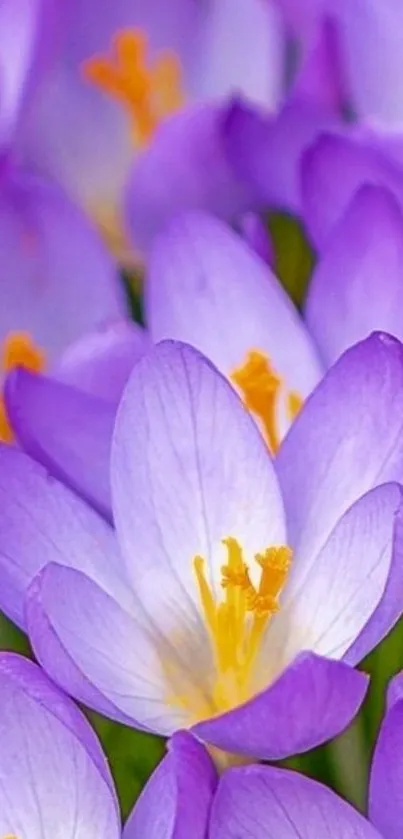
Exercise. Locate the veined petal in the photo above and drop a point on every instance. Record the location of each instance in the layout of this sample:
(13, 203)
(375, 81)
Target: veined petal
(312, 701)
(261, 802)
(205, 286)
(332, 171)
(119, 652)
(52, 771)
(101, 361)
(58, 281)
(68, 431)
(43, 522)
(346, 439)
(176, 801)
(385, 791)
(357, 285)
(55, 658)
(189, 469)
(326, 607)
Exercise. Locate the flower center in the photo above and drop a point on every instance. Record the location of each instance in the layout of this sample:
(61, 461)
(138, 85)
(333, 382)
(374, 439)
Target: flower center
(19, 350)
(149, 91)
(262, 390)
(237, 623)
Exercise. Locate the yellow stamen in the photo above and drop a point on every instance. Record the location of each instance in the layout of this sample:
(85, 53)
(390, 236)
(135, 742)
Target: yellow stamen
(261, 389)
(19, 350)
(237, 623)
(149, 92)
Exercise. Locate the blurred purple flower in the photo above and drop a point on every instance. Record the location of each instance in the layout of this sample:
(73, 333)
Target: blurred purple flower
(126, 622)
(57, 281)
(117, 72)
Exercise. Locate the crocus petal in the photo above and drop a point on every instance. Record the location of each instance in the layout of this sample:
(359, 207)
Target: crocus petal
(189, 469)
(320, 77)
(346, 440)
(357, 285)
(257, 235)
(101, 361)
(388, 610)
(326, 607)
(176, 801)
(205, 286)
(56, 660)
(66, 430)
(372, 57)
(226, 63)
(332, 171)
(266, 151)
(58, 282)
(42, 522)
(312, 701)
(115, 650)
(51, 769)
(385, 791)
(21, 22)
(259, 802)
(186, 167)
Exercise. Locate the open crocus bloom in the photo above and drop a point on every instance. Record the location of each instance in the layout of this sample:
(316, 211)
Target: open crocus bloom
(54, 775)
(206, 610)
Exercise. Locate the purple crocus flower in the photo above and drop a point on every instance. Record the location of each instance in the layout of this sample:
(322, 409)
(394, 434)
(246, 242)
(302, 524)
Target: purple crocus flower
(205, 286)
(58, 281)
(53, 771)
(231, 158)
(131, 623)
(117, 74)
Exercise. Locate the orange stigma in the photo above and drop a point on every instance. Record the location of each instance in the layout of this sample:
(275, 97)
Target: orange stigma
(149, 91)
(19, 350)
(262, 389)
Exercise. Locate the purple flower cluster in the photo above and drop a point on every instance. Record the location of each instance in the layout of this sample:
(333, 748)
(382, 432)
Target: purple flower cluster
(200, 517)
